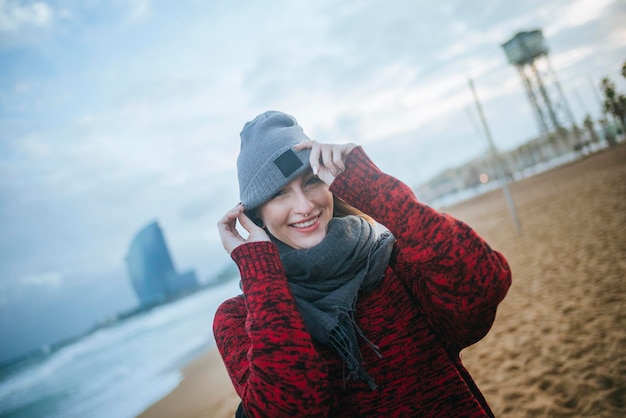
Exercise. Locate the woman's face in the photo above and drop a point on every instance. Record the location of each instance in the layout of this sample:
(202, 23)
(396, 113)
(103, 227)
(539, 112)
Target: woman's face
(298, 215)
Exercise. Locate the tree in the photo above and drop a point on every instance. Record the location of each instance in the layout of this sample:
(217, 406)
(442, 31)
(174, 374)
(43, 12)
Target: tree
(614, 103)
(590, 128)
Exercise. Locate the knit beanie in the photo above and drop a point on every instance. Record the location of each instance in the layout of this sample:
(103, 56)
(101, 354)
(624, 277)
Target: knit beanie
(267, 161)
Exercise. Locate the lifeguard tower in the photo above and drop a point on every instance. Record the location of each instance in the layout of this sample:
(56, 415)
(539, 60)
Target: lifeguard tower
(528, 52)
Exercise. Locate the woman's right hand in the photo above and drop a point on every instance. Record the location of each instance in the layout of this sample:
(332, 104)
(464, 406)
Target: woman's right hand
(327, 160)
(230, 236)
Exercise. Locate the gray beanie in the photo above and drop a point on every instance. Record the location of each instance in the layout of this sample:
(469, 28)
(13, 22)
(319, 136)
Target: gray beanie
(267, 161)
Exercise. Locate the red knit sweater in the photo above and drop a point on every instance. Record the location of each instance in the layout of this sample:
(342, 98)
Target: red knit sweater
(439, 295)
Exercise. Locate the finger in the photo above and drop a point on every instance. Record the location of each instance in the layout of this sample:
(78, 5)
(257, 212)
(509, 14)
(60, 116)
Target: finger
(246, 222)
(226, 225)
(341, 153)
(338, 157)
(327, 159)
(231, 214)
(304, 144)
(314, 158)
(229, 235)
(255, 233)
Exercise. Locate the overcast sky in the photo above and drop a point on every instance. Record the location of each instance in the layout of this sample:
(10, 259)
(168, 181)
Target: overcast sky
(116, 113)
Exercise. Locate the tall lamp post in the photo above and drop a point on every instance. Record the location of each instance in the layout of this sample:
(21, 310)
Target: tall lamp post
(497, 163)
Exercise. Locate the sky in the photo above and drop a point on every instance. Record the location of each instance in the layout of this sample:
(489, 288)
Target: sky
(117, 113)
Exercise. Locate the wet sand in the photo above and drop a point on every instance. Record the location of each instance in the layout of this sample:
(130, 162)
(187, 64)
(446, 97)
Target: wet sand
(558, 345)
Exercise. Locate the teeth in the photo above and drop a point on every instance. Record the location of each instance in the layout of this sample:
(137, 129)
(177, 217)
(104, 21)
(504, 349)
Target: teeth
(305, 224)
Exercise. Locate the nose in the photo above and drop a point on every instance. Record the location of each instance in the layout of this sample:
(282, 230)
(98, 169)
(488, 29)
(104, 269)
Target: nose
(302, 205)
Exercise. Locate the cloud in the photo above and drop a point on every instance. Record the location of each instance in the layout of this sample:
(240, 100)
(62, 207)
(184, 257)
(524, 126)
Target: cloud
(14, 15)
(48, 279)
(36, 282)
(577, 13)
(137, 9)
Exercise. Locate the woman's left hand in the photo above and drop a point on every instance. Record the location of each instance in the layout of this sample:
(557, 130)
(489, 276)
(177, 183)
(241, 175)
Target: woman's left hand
(327, 160)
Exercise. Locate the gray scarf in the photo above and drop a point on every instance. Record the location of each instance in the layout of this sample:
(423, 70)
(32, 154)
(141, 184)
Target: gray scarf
(326, 279)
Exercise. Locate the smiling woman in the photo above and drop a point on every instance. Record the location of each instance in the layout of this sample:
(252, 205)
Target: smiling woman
(336, 319)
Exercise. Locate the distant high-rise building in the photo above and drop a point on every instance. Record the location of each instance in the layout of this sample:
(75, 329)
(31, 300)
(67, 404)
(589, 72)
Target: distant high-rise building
(151, 269)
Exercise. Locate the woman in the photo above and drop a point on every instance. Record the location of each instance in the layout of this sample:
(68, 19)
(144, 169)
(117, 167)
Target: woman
(335, 319)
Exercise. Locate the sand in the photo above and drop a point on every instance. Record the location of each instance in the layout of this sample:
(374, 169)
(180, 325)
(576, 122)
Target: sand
(558, 345)
(205, 391)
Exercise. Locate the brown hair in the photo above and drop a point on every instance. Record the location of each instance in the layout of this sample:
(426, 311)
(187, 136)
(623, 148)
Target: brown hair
(342, 209)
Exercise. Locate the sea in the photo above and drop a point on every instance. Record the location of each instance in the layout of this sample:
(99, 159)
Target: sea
(119, 370)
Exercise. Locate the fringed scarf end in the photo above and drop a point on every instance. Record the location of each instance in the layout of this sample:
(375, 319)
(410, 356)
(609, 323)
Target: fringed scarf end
(343, 340)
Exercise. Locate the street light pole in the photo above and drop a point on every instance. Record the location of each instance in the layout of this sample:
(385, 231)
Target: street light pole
(498, 165)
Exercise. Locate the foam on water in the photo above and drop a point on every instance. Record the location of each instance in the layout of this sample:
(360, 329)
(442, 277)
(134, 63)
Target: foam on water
(117, 371)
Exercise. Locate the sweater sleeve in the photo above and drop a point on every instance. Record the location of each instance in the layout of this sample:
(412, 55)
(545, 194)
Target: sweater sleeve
(450, 270)
(264, 343)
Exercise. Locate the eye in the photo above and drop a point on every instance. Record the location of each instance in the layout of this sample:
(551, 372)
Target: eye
(311, 181)
(278, 193)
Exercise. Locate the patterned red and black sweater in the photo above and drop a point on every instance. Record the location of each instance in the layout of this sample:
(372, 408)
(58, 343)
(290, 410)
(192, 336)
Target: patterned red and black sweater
(439, 295)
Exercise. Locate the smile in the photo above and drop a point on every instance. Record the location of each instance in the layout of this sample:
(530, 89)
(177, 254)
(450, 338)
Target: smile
(306, 224)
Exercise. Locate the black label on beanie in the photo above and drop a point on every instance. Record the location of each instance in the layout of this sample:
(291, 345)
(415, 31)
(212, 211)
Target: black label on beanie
(288, 162)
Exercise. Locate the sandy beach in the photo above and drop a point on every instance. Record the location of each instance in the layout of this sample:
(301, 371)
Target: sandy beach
(558, 345)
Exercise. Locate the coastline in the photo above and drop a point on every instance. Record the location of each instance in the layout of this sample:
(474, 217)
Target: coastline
(204, 391)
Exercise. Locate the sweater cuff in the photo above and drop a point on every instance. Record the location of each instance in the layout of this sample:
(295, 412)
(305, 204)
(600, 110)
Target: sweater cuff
(257, 262)
(358, 177)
